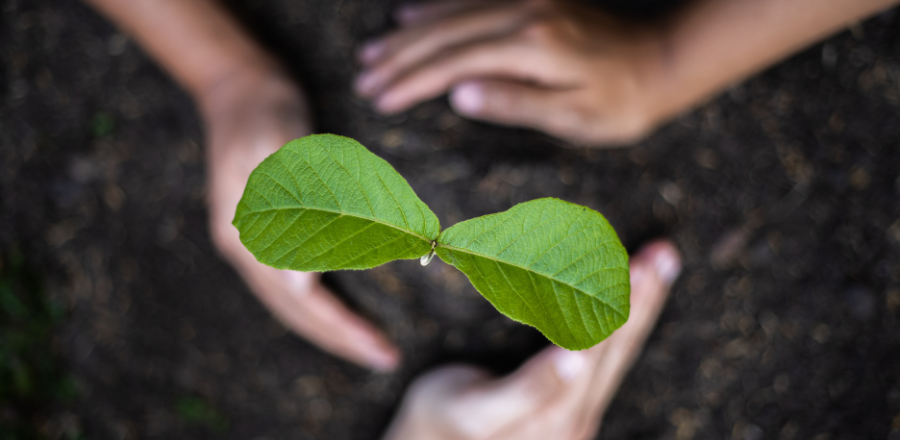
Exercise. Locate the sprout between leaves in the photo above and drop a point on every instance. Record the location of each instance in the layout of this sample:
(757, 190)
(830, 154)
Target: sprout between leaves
(427, 257)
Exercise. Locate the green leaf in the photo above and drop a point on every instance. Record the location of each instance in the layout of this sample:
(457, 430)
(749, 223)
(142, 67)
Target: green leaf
(548, 263)
(325, 202)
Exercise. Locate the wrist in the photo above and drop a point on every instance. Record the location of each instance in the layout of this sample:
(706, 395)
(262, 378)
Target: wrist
(234, 82)
(262, 103)
(250, 84)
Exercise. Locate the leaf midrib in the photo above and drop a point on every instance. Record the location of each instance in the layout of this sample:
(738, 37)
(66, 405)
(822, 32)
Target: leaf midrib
(342, 214)
(497, 260)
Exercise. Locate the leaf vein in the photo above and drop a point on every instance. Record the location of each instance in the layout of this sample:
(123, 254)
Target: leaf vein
(342, 213)
(513, 289)
(580, 257)
(389, 191)
(525, 232)
(381, 246)
(355, 180)
(577, 306)
(477, 254)
(311, 167)
(337, 244)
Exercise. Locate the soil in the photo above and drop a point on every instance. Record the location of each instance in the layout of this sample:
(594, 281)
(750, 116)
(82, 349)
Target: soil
(782, 193)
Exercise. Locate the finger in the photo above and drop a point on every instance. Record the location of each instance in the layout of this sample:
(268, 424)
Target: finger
(329, 324)
(391, 56)
(412, 14)
(495, 405)
(516, 104)
(511, 58)
(578, 410)
(653, 271)
(303, 304)
(554, 394)
(559, 112)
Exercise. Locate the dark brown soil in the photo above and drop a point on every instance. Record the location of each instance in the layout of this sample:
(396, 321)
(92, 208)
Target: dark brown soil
(783, 194)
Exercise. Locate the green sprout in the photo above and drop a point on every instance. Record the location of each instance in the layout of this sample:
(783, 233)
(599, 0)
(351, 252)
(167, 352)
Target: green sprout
(325, 202)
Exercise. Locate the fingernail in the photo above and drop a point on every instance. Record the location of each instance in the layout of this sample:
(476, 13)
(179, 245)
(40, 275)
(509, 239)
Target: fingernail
(468, 97)
(371, 51)
(385, 103)
(299, 283)
(382, 361)
(366, 83)
(668, 265)
(568, 364)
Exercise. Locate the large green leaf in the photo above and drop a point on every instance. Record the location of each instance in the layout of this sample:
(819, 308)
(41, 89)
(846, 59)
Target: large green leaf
(325, 202)
(548, 263)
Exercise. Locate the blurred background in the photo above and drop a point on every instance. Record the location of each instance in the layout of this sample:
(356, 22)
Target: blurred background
(119, 321)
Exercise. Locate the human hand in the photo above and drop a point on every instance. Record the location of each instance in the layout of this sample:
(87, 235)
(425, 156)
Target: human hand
(249, 117)
(553, 65)
(557, 394)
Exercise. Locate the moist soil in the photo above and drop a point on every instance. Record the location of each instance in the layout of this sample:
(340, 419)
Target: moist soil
(782, 194)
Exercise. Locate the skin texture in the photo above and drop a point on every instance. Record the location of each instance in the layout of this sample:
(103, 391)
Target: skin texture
(579, 74)
(557, 394)
(250, 109)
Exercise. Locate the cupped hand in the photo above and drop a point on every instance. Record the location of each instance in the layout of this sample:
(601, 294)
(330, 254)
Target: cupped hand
(552, 65)
(557, 394)
(248, 117)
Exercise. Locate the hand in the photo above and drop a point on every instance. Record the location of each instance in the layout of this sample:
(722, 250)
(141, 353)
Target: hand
(557, 394)
(248, 117)
(553, 65)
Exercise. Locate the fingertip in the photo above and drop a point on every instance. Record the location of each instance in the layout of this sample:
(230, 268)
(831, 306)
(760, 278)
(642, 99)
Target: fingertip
(468, 98)
(340, 331)
(668, 264)
(660, 257)
(366, 83)
(371, 51)
(568, 364)
(384, 360)
(370, 347)
(389, 103)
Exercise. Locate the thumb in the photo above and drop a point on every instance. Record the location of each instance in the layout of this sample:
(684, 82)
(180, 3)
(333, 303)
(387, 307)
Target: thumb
(544, 378)
(517, 104)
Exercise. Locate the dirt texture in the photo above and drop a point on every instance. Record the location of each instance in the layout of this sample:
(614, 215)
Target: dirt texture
(782, 193)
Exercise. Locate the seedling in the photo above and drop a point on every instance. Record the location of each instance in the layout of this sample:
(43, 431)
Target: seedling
(325, 202)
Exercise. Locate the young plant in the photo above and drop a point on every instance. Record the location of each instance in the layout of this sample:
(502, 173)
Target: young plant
(325, 202)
